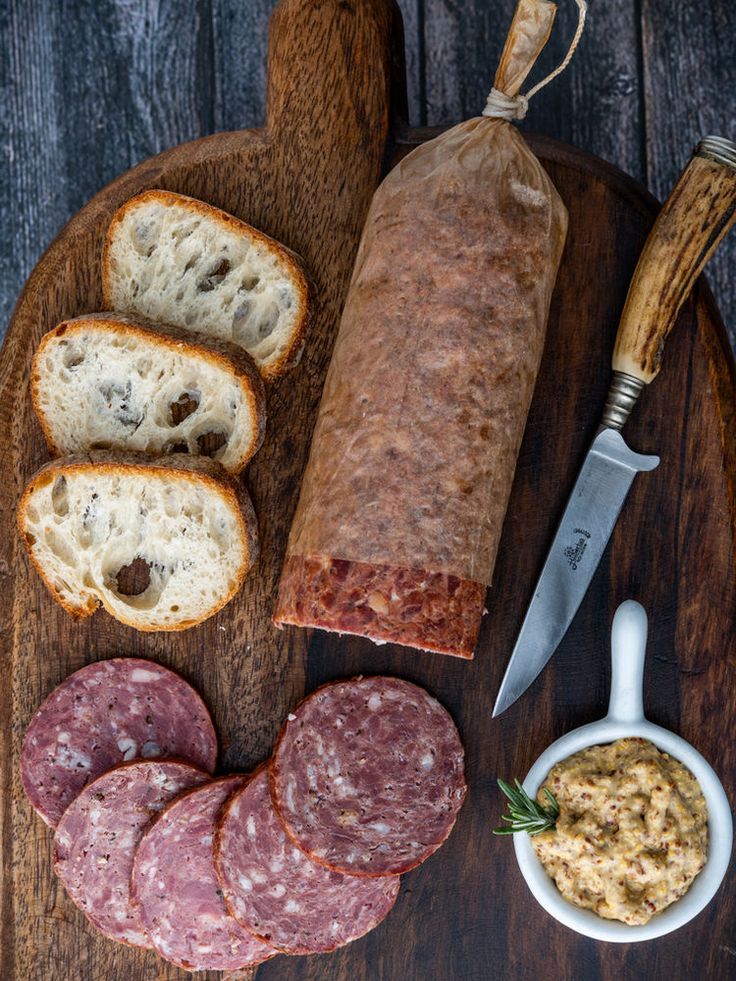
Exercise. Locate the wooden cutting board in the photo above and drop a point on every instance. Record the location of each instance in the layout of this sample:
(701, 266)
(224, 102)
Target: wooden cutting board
(307, 179)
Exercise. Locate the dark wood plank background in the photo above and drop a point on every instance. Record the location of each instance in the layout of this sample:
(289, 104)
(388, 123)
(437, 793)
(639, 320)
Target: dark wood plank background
(90, 87)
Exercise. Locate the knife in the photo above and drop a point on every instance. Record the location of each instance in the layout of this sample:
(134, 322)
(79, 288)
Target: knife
(696, 216)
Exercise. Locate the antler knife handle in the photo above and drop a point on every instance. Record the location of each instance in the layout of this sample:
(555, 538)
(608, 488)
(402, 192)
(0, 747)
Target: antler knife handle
(696, 216)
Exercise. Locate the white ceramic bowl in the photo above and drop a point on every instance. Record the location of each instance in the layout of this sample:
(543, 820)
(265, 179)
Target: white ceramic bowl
(626, 718)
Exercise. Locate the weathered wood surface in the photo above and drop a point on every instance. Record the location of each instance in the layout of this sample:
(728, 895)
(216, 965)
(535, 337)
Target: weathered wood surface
(87, 89)
(466, 914)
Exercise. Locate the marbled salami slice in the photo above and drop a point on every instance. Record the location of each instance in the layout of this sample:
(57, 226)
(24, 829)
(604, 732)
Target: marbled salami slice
(98, 834)
(368, 775)
(104, 714)
(278, 893)
(179, 897)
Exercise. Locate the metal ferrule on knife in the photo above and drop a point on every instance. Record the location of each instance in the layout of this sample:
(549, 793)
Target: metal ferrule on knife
(622, 396)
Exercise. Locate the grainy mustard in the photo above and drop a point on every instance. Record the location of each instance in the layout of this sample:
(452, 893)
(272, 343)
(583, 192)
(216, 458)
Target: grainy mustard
(632, 832)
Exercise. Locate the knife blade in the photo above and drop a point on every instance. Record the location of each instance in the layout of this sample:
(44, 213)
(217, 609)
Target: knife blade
(601, 489)
(695, 218)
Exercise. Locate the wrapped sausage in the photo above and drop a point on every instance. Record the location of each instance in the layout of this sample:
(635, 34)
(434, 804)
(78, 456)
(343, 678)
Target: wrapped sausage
(427, 394)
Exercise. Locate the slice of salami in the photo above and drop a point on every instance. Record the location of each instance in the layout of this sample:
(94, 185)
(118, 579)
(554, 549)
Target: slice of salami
(98, 834)
(104, 714)
(368, 775)
(179, 897)
(278, 893)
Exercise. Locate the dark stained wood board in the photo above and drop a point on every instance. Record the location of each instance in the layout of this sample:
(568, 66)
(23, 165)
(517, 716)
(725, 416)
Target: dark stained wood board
(466, 914)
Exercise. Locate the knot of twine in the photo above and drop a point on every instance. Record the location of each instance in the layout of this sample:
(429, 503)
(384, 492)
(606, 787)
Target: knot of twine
(502, 106)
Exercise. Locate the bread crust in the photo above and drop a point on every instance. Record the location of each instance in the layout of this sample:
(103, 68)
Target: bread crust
(108, 463)
(293, 353)
(221, 354)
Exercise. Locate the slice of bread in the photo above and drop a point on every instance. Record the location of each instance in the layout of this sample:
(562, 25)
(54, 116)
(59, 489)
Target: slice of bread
(104, 381)
(161, 544)
(180, 261)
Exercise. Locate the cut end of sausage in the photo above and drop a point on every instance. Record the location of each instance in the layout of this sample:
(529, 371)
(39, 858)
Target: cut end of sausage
(388, 605)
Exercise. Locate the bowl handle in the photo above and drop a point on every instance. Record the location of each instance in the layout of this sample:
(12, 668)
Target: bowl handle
(628, 648)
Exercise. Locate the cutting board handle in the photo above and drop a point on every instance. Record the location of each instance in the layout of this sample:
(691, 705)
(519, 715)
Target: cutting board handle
(695, 218)
(330, 53)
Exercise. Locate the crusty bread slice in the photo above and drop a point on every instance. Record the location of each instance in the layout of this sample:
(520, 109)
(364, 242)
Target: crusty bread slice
(104, 381)
(161, 544)
(180, 261)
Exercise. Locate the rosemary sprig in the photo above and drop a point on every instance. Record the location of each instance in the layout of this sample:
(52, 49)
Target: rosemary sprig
(526, 814)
